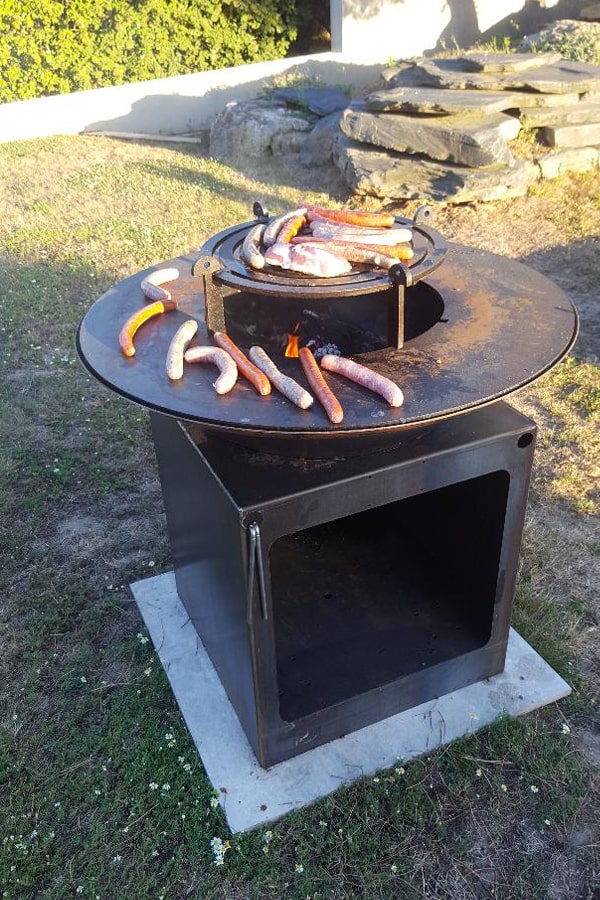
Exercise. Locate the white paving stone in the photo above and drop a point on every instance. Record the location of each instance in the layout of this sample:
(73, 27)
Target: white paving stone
(252, 796)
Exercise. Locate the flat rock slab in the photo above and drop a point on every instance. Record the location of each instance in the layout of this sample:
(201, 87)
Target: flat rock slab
(533, 100)
(581, 113)
(396, 176)
(464, 140)
(572, 135)
(251, 796)
(506, 62)
(577, 159)
(562, 78)
(248, 128)
(320, 101)
(437, 101)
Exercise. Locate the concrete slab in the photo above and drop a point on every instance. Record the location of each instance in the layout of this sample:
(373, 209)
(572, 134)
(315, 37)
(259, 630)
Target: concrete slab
(252, 796)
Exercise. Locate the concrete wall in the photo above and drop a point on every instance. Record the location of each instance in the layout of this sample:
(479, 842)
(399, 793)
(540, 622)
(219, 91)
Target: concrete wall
(366, 35)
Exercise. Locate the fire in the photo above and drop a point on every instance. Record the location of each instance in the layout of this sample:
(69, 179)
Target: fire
(292, 345)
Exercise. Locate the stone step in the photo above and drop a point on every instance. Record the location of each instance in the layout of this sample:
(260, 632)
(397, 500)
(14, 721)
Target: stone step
(437, 101)
(462, 140)
(395, 176)
(561, 78)
(572, 135)
(581, 113)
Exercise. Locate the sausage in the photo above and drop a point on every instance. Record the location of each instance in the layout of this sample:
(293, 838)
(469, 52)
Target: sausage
(221, 359)
(325, 395)
(357, 253)
(290, 228)
(284, 384)
(337, 245)
(379, 384)
(177, 348)
(249, 371)
(250, 249)
(138, 318)
(352, 216)
(274, 226)
(360, 234)
(150, 284)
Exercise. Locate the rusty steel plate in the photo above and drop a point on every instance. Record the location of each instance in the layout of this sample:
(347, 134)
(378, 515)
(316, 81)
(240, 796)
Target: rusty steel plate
(502, 325)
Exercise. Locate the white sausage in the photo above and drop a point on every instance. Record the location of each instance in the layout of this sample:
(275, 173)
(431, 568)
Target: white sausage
(219, 358)
(150, 284)
(177, 348)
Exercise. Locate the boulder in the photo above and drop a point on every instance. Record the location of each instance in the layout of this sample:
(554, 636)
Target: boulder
(320, 101)
(317, 145)
(465, 140)
(396, 176)
(249, 128)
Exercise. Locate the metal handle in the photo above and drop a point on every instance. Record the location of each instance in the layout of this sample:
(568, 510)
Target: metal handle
(255, 564)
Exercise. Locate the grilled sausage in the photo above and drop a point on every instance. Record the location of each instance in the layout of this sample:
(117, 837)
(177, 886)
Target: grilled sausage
(151, 284)
(290, 229)
(325, 395)
(129, 329)
(249, 371)
(221, 359)
(274, 226)
(177, 348)
(355, 253)
(284, 384)
(379, 384)
(352, 216)
(359, 252)
(250, 249)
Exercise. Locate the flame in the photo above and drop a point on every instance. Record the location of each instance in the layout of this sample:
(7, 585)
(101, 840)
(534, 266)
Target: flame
(292, 344)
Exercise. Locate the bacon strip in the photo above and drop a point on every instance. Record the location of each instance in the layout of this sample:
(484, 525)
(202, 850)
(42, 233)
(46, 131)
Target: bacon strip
(379, 384)
(283, 383)
(325, 395)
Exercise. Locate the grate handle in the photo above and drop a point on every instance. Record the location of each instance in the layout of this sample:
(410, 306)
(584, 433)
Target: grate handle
(256, 572)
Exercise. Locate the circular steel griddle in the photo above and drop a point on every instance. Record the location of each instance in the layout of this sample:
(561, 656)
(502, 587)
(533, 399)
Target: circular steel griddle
(503, 325)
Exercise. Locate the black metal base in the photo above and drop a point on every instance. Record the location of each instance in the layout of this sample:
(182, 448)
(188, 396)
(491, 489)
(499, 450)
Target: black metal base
(331, 594)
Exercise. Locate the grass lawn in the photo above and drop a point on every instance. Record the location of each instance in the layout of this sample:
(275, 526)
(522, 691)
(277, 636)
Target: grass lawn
(101, 792)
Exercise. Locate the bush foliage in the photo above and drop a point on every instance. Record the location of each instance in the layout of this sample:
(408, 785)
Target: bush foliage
(58, 46)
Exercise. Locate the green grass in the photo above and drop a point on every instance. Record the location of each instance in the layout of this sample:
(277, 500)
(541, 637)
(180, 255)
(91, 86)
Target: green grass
(102, 793)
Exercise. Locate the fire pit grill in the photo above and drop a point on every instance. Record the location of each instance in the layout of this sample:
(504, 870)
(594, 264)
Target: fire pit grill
(478, 328)
(337, 574)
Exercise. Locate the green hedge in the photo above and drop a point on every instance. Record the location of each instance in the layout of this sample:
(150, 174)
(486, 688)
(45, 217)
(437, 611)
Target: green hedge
(58, 46)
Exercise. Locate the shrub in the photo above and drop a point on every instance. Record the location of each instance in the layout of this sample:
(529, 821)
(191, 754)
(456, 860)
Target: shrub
(58, 46)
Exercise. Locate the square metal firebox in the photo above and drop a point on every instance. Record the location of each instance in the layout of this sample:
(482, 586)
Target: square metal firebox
(333, 593)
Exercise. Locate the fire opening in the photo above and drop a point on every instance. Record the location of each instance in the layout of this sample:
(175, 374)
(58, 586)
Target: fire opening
(291, 350)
